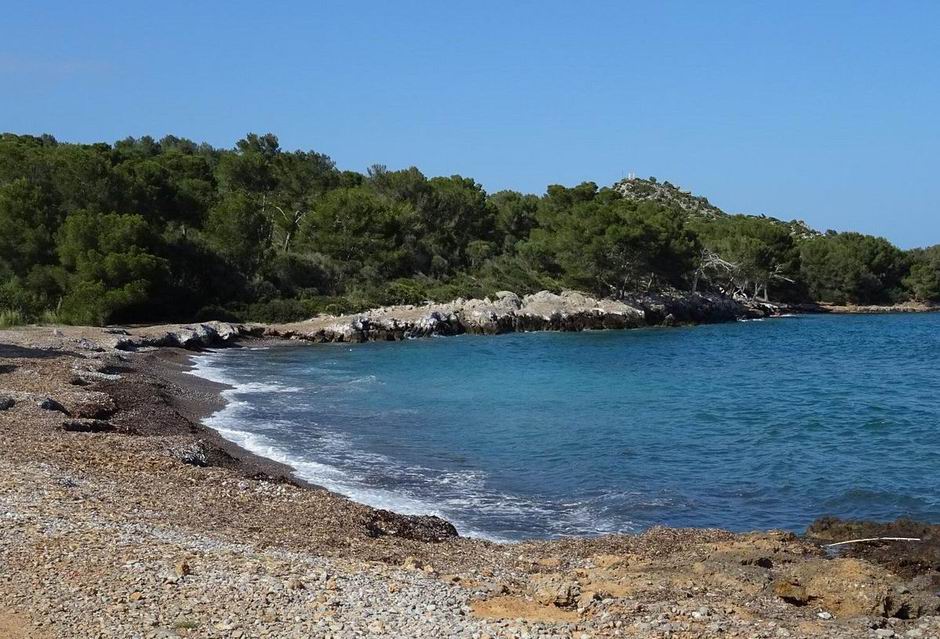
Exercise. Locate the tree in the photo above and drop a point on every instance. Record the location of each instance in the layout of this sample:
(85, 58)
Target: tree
(148, 229)
(851, 267)
(515, 216)
(28, 224)
(239, 231)
(748, 255)
(599, 241)
(111, 266)
(358, 230)
(924, 279)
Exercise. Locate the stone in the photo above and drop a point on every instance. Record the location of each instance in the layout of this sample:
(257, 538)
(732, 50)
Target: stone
(182, 568)
(555, 592)
(791, 592)
(6, 403)
(193, 454)
(93, 405)
(428, 528)
(47, 403)
(87, 426)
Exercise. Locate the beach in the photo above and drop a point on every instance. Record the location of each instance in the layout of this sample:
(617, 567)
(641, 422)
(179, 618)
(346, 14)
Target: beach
(124, 516)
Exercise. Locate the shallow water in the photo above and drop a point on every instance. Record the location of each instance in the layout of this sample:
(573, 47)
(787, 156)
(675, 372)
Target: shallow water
(743, 426)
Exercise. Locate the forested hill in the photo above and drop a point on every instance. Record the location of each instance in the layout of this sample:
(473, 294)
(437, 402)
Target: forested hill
(652, 190)
(146, 230)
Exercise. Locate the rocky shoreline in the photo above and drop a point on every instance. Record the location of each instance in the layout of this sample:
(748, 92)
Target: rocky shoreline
(122, 516)
(507, 312)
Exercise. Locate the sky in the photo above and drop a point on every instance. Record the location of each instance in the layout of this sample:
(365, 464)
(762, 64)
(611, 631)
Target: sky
(826, 112)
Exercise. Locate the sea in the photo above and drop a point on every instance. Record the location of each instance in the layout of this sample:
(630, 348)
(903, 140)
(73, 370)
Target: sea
(742, 426)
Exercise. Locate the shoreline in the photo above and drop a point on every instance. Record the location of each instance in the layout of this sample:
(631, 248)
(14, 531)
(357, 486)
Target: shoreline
(143, 477)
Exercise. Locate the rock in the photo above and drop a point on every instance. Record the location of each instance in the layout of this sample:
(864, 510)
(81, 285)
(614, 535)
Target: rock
(182, 568)
(294, 584)
(545, 310)
(78, 380)
(193, 454)
(88, 345)
(553, 591)
(93, 405)
(418, 527)
(87, 426)
(586, 598)
(763, 562)
(48, 403)
(6, 403)
(853, 588)
(791, 592)
(192, 336)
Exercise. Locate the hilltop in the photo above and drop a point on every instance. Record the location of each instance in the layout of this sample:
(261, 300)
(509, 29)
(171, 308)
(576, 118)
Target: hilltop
(667, 193)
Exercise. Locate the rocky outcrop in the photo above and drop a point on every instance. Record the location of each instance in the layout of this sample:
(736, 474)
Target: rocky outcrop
(670, 309)
(507, 312)
(190, 336)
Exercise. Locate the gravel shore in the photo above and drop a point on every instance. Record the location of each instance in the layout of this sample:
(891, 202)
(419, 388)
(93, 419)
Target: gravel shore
(122, 516)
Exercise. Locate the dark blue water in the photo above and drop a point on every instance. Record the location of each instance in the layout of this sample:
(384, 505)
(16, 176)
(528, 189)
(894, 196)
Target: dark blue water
(742, 426)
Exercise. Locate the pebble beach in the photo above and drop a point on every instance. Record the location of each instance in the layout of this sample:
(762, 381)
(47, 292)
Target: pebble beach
(121, 515)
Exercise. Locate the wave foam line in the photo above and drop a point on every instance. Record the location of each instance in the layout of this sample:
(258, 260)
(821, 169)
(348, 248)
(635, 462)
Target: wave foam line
(227, 423)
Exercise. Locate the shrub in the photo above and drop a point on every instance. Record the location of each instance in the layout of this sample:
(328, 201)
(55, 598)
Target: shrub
(11, 317)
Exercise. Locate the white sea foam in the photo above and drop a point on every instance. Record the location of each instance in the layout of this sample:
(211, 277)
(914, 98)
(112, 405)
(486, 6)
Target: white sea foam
(465, 490)
(230, 423)
(205, 366)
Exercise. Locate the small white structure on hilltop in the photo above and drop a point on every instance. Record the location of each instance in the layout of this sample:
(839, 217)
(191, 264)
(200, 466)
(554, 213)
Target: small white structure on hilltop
(631, 175)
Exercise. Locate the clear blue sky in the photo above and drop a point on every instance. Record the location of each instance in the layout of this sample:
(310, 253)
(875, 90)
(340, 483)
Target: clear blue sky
(829, 112)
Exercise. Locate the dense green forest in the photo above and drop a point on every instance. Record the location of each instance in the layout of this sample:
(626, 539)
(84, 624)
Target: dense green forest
(145, 230)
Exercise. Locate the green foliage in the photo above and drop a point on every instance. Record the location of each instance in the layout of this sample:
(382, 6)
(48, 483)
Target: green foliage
(11, 317)
(238, 230)
(924, 279)
(854, 268)
(764, 254)
(111, 270)
(170, 230)
(598, 241)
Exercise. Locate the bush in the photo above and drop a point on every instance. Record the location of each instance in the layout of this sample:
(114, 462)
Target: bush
(11, 317)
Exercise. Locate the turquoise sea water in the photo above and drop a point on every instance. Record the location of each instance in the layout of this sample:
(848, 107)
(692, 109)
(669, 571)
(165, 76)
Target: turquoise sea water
(748, 425)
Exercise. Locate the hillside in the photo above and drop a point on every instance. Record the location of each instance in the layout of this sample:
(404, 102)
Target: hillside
(652, 190)
(147, 230)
